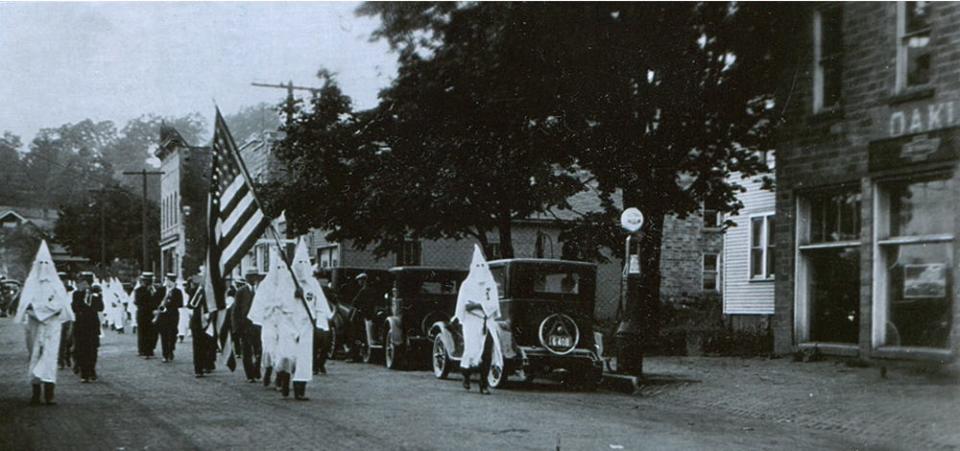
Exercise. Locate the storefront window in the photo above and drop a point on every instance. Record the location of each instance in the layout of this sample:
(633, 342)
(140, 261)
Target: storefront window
(918, 290)
(916, 262)
(834, 290)
(828, 276)
(917, 208)
(835, 217)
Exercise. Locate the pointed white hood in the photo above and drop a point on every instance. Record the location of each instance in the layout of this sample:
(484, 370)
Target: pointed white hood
(44, 291)
(478, 288)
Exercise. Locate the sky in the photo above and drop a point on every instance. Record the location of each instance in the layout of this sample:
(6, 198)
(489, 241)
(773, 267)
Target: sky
(65, 62)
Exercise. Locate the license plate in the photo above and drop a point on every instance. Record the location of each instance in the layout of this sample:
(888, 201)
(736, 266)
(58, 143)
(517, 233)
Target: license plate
(560, 342)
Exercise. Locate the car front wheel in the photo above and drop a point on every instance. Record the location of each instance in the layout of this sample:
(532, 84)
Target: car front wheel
(496, 377)
(392, 353)
(441, 360)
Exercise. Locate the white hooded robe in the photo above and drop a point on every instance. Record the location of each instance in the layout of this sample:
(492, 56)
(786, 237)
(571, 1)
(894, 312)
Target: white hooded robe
(265, 310)
(44, 307)
(479, 289)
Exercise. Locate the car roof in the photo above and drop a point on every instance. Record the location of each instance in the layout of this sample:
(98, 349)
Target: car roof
(542, 261)
(397, 269)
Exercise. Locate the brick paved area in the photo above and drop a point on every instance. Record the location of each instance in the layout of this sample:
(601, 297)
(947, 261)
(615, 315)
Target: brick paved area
(141, 404)
(903, 408)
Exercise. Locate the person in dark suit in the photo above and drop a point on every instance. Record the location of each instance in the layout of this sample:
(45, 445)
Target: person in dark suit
(244, 331)
(87, 303)
(169, 317)
(143, 298)
(204, 350)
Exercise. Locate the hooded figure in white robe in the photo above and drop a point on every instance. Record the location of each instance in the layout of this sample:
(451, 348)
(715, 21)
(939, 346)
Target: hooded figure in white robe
(478, 308)
(132, 308)
(266, 311)
(114, 296)
(300, 336)
(44, 307)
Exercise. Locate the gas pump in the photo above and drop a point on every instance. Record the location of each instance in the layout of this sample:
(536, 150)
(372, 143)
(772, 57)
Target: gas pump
(630, 337)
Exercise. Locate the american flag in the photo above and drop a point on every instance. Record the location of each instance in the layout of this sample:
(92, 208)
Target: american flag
(235, 219)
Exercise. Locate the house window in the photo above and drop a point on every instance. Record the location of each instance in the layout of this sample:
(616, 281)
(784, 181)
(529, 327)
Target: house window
(711, 272)
(712, 218)
(409, 253)
(828, 270)
(827, 49)
(913, 47)
(762, 247)
(913, 273)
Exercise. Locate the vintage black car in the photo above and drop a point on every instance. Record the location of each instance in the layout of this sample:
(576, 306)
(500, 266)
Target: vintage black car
(546, 323)
(341, 287)
(421, 297)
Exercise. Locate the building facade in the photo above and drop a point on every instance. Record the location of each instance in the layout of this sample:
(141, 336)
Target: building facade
(749, 246)
(868, 184)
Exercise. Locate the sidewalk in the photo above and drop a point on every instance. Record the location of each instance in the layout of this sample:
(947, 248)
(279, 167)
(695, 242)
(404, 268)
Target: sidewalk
(904, 409)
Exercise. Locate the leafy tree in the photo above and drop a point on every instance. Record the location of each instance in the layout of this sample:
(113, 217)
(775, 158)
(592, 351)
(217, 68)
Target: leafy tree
(12, 180)
(117, 211)
(658, 102)
(253, 120)
(64, 162)
(135, 144)
(18, 247)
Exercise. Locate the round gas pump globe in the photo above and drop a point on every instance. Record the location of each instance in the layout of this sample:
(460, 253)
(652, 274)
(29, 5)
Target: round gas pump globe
(631, 220)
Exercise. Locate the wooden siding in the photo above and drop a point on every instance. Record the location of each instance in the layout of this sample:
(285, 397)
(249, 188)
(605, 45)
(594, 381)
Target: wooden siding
(741, 296)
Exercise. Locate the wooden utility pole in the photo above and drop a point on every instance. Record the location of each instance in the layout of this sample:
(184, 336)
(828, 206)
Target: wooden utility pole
(289, 109)
(143, 211)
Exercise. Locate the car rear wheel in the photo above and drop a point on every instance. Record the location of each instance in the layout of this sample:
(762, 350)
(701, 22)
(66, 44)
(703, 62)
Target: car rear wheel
(392, 353)
(441, 360)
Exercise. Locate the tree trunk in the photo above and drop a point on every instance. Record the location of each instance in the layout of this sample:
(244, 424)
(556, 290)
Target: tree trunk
(482, 238)
(506, 235)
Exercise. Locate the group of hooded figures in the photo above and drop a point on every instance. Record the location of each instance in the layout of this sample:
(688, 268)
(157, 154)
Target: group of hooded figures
(279, 328)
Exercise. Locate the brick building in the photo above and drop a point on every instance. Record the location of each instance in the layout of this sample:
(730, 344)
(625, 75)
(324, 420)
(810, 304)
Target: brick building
(868, 183)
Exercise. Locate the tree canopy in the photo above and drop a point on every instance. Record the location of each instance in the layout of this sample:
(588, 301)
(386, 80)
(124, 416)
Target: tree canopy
(503, 110)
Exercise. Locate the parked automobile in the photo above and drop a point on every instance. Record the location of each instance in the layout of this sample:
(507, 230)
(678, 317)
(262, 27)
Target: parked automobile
(546, 323)
(421, 297)
(341, 287)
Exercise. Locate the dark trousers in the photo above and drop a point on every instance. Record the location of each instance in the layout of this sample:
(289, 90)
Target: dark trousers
(65, 353)
(321, 346)
(168, 340)
(204, 352)
(251, 351)
(85, 353)
(146, 334)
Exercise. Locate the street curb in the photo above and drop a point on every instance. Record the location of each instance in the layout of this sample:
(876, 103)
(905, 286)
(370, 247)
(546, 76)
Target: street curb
(620, 383)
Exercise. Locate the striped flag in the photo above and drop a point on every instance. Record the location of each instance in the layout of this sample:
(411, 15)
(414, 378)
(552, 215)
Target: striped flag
(235, 222)
(235, 219)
